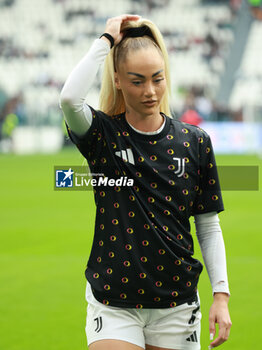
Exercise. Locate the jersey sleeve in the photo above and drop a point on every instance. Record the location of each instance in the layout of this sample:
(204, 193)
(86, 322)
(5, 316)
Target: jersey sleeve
(90, 143)
(209, 197)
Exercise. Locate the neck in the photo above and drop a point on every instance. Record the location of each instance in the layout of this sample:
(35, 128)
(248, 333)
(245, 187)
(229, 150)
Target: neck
(145, 123)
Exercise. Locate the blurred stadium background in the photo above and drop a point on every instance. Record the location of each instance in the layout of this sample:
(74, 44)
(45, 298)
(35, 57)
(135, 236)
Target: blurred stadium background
(215, 52)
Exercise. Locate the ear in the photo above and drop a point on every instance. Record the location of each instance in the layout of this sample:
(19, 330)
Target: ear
(117, 81)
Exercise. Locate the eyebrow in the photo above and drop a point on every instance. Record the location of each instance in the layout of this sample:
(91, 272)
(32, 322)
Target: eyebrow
(142, 76)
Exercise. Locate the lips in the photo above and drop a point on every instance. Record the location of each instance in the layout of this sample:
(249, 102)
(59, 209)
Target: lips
(149, 103)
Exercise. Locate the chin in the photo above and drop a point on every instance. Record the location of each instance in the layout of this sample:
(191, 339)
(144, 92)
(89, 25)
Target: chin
(152, 110)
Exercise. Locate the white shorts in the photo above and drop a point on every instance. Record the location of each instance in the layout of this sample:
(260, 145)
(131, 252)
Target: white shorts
(173, 328)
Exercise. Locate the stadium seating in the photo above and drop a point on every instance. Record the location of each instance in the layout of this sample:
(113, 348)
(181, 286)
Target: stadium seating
(41, 42)
(248, 82)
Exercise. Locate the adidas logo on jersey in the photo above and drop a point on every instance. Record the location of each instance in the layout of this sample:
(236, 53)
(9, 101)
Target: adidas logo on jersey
(193, 337)
(126, 155)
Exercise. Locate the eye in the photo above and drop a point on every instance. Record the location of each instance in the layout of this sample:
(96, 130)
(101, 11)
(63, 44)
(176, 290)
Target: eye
(136, 83)
(158, 80)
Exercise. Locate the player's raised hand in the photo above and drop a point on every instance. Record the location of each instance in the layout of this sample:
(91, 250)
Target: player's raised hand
(113, 25)
(219, 314)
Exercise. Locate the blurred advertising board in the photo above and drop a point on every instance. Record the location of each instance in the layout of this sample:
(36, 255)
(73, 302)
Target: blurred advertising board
(235, 137)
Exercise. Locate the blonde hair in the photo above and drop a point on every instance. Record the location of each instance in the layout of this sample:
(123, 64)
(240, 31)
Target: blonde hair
(111, 100)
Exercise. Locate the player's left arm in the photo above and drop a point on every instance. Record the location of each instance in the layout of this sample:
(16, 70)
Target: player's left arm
(212, 246)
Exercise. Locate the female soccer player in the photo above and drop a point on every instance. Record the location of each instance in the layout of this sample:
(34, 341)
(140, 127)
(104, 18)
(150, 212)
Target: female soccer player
(141, 274)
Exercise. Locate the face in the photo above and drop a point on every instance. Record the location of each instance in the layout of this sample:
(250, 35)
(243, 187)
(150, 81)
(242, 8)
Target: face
(141, 78)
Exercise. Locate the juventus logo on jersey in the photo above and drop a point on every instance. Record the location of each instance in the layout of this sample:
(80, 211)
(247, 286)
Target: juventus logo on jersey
(99, 324)
(126, 155)
(180, 166)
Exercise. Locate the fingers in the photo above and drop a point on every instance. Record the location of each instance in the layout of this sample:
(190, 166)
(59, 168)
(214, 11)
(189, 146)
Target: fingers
(212, 327)
(223, 334)
(113, 25)
(123, 18)
(128, 17)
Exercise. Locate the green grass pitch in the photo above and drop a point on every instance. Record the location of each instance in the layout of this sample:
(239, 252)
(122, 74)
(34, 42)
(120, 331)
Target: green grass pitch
(45, 239)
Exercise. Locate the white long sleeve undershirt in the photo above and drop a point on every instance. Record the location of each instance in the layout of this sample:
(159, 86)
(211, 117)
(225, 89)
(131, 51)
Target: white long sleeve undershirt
(79, 118)
(73, 95)
(210, 238)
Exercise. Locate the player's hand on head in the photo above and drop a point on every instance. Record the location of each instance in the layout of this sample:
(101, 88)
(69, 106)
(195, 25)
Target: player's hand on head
(113, 25)
(219, 314)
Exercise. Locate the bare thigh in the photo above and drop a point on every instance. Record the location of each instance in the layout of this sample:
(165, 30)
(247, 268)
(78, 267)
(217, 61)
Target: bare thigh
(112, 344)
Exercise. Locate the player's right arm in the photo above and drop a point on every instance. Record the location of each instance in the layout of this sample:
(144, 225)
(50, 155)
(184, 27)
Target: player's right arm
(72, 100)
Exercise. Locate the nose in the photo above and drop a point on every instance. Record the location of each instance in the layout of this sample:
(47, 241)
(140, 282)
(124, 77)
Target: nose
(149, 89)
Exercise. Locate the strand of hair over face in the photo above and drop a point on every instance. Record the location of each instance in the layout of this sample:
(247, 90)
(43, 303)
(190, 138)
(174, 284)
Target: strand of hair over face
(111, 100)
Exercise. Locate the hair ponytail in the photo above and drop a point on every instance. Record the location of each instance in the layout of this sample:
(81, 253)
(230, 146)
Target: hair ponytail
(111, 99)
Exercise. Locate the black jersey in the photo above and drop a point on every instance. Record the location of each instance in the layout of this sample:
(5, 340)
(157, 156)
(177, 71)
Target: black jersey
(142, 253)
